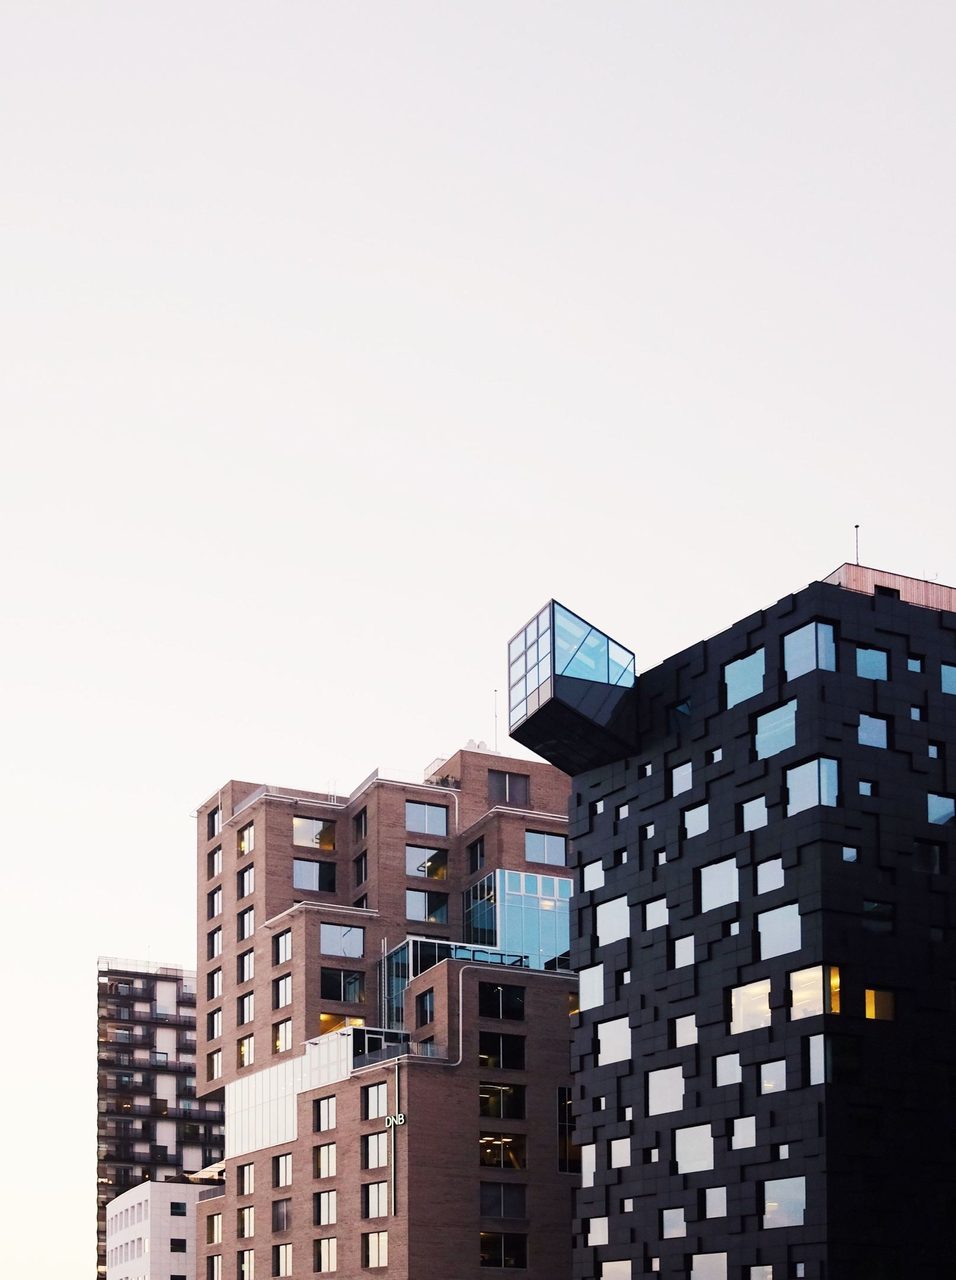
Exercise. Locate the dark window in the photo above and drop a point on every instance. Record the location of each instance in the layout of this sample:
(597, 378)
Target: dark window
(500, 1000)
(177, 1208)
(426, 906)
(360, 866)
(315, 877)
(497, 1050)
(502, 1151)
(177, 1245)
(476, 855)
(345, 985)
(501, 1101)
(503, 1200)
(282, 947)
(245, 965)
(504, 1249)
(360, 824)
(509, 788)
(569, 1154)
(281, 1215)
(213, 823)
(425, 1008)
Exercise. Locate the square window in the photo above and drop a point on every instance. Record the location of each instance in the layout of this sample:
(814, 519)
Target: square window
(849, 853)
(811, 648)
(750, 1006)
(613, 921)
(673, 1225)
(719, 884)
(743, 678)
(665, 1090)
(744, 1133)
(694, 1148)
(776, 730)
(916, 713)
(914, 664)
(545, 846)
(867, 788)
(814, 783)
(784, 1202)
(619, 1153)
(871, 664)
(715, 1202)
(779, 931)
(880, 1006)
(592, 876)
(684, 1030)
(696, 821)
(872, 732)
(715, 756)
(655, 913)
(933, 751)
(753, 814)
(770, 875)
(940, 809)
(773, 1076)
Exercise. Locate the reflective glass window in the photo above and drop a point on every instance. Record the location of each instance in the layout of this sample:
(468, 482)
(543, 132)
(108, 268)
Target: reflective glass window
(871, 664)
(315, 877)
(750, 1006)
(940, 809)
(673, 1225)
(591, 987)
(427, 906)
(655, 913)
(431, 864)
(810, 784)
(683, 951)
(814, 991)
(341, 940)
(715, 1202)
(744, 678)
(719, 884)
(770, 875)
(779, 931)
(810, 648)
(684, 1030)
(665, 1090)
(776, 730)
(613, 921)
(592, 876)
(696, 820)
(694, 1148)
(614, 1041)
(871, 731)
(544, 846)
(429, 818)
(727, 1069)
(773, 1076)
(318, 833)
(708, 1266)
(682, 778)
(947, 674)
(744, 1133)
(784, 1202)
(753, 814)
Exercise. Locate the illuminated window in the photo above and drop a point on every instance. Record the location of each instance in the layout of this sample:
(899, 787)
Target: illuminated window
(773, 1075)
(282, 1036)
(880, 1005)
(814, 991)
(246, 839)
(784, 1202)
(502, 1150)
(245, 1051)
(750, 1006)
(316, 833)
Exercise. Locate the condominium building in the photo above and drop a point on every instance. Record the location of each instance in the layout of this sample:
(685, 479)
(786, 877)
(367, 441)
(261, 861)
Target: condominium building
(150, 1126)
(764, 925)
(384, 1012)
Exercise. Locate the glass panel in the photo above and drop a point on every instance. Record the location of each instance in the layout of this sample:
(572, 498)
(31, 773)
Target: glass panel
(785, 1202)
(682, 777)
(811, 784)
(871, 732)
(811, 648)
(591, 987)
(947, 675)
(715, 1202)
(776, 730)
(694, 1148)
(673, 1225)
(744, 678)
(727, 1069)
(773, 1076)
(696, 820)
(718, 884)
(665, 1090)
(655, 913)
(750, 1006)
(685, 1030)
(753, 813)
(613, 921)
(744, 1132)
(592, 876)
(779, 931)
(614, 1041)
(871, 664)
(770, 875)
(806, 992)
(940, 809)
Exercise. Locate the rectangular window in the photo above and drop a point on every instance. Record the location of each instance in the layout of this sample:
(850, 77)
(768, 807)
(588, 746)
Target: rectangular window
(177, 1208)
(784, 1202)
(509, 788)
(743, 678)
(425, 905)
(360, 824)
(506, 1250)
(501, 1101)
(245, 1179)
(282, 1170)
(323, 1114)
(375, 1249)
(323, 1158)
(214, 1267)
(326, 1252)
(502, 1151)
(501, 1000)
(428, 863)
(246, 839)
(360, 869)
(374, 1148)
(282, 947)
(814, 991)
(374, 1101)
(750, 1006)
(245, 965)
(282, 1215)
(665, 1090)
(543, 846)
(245, 1009)
(871, 664)
(591, 987)
(614, 1041)
(282, 1036)
(374, 1199)
(502, 1200)
(810, 784)
(496, 1050)
(214, 1024)
(811, 648)
(245, 1051)
(940, 809)
(344, 985)
(476, 855)
(696, 820)
(694, 1148)
(245, 881)
(753, 814)
(432, 819)
(569, 1153)
(719, 884)
(214, 1229)
(776, 730)
(214, 943)
(282, 1259)
(682, 778)
(214, 903)
(323, 1208)
(425, 1008)
(246, 1264)
(779, 931)
(213, 823)
(612, 920)
(214, 984)
(341, 940)
(246, 923)
(879, 1005)
(214, 862)
(316, 833)
(313, 877)
(282, 991)
(871, 731)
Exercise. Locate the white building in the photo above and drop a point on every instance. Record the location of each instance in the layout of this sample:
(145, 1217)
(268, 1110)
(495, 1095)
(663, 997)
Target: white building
(150, 1232)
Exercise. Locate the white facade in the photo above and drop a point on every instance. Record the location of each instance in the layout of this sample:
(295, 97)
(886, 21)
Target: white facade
(151, 1232)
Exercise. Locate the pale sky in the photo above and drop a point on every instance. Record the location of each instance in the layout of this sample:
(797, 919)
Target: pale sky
(338, 337)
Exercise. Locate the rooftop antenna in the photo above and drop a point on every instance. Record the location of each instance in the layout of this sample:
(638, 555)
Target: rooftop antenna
(496, 722)
(856, 528)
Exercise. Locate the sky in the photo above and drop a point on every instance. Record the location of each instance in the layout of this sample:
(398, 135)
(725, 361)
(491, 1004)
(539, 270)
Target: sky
(336, 338)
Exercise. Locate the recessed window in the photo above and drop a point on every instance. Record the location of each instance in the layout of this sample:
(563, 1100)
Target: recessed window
(498, 1050)
(715, 756)
(505, 1249)
(246, 839)
(374, 1199)
(744, 1132)
(683, 951)
(245, 1008)
(544, 846)
(282, 1036)
(770, 875)
(880, 1006)
(750, 1006)
(246, 923)
(715, 1202)
(591, 987)
(916, 712)
(814, 991)
(743, 678)
(776, 730)
(779, 931)
(425, 1008)
(245, 1051)
(613, 921)
(214, 984)
(696, 820)
(476, 855)
(323, 1114)
(214, 903)
(177, 1208)
(341, 940)
(282, 947)
(501, 1000)
(592, 876)
(871, 664)
(360, 868)
(914, 664)
(619, 1153)
(655, 913)
(431, 864)
(313, 877)
(214, 1064)
(694, 1148)
(213, 823)
(282, 1215)
(324, 1160)
(811, 784)
(360, 824)
(784, 1202)
(282, 991)
(282, 1259)
(282, 1170)
(810, 648)
(245, 881)
(682, 778)
(501, 1101)
(374, 1150)
(509, 788)
(940, 809)
(614, 1041)
(245, 1179)
(947, 677)
(317, 833)
(719, 884)
(684, 1030)
(773, 1076)
(177, 1244)
(502, 1150)
(753, 814)
(432, 819)
(849, 853)
(502, 1199)
(214, 862)
(665, 1090)
(325, 1254)
(245, 1264)
(871, 731)
(427, 906)
(673, 1225)
(214, 943)
(727, 1069)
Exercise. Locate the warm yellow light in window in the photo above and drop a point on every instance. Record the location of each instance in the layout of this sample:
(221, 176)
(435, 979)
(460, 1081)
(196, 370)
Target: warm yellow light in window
(834, 1003)
(880, 1005)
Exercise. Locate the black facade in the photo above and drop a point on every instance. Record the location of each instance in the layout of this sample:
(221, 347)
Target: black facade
(765, 1055)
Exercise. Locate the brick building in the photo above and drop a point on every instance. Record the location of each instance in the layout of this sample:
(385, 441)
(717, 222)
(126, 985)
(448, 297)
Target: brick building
(764, 926)
(383, 1009)
(150, 1126)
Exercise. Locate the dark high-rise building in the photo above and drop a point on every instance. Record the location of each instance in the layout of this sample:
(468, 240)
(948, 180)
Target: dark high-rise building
(150, 1126)
(764, 925)
(384, 1011)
